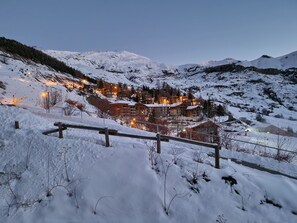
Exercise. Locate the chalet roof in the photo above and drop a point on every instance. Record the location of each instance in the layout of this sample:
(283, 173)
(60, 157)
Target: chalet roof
(176, 104)
(123, 102)
(163, 105)
(192, 107)
(203, 123)
(157, 105)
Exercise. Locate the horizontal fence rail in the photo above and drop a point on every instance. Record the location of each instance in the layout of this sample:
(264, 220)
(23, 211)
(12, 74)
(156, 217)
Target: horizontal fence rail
(265, 146)
(112, 132)
(210, 145)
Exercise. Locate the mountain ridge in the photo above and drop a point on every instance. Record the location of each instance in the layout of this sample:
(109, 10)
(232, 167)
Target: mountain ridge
(244, 89)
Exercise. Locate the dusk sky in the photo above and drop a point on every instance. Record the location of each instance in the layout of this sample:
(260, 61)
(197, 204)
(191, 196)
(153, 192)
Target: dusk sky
(169, 31)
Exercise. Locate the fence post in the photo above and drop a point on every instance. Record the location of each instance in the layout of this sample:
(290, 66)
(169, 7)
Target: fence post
(106, 137)
(158, 143)
(217, 157)
(60, 130)
(16, 125)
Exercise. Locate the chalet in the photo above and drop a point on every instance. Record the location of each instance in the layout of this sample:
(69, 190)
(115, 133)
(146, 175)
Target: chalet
(206, 131)
(160, 110)
(141, 110)
(163, 100)
(122, 109)
(183, 107)
(183, 98)
(102, 104)
(175, 109)
(148, 99)
(173, 99)
(193, 111)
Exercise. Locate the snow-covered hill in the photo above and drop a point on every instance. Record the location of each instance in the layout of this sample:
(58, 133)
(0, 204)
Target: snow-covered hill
(24, 81)
(114, 67)
(120, 184)
(245, 89)
(283, 62)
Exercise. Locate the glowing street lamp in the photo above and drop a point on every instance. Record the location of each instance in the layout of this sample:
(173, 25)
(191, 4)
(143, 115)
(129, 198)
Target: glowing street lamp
(132, 123)
(44, 94)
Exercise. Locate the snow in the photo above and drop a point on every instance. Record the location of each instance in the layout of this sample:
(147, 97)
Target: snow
(234, 89)
(192, 107)
(212, 63)
(264, 62)
(121, 179)
(124, 66)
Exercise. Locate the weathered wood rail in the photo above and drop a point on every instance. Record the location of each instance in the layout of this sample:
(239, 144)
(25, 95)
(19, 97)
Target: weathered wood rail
(112, 132)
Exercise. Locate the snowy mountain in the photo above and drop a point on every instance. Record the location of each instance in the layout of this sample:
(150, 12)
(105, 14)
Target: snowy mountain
(77, 179)
(24, 81)
(114, 67)
(282, 63)
(263, 86)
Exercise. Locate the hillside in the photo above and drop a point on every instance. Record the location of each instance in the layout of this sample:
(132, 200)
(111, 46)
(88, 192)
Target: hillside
(21, 51)
(120, 184)
(248, 87)
(78, 179)
(245, 89)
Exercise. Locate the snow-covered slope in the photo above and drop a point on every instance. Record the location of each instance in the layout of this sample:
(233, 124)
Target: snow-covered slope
(114, 67)
(264, 62)
(246, 92)
(212, 63)
(119, 184)
(246, 89)
(25, 81)
(283, 62)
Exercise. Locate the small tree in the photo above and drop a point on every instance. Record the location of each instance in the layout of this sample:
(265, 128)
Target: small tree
(260, 118)
(220, 110)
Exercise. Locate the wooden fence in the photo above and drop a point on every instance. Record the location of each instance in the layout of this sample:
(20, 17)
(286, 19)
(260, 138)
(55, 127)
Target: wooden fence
(112, 132)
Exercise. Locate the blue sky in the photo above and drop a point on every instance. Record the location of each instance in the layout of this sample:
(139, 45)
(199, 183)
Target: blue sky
(169, 31)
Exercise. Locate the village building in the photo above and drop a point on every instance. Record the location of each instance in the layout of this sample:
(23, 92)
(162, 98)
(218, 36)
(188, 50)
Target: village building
(122, 109)
(193, 111)
(206, 131)
(175, 110)
(159, 110)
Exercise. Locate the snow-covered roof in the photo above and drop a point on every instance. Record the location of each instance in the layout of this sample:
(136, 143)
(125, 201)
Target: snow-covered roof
(131, 103)
(192, 107)
(157, 105)
(163, 105)
(201, 123)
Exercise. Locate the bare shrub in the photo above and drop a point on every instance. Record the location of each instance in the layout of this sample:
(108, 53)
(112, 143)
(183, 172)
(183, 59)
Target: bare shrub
(167, 203)
(55, 96)
(226, 140)
(69, 110)
(176, 152)
(284, 156)
(99, 199)
(153, 156)
(199, 156)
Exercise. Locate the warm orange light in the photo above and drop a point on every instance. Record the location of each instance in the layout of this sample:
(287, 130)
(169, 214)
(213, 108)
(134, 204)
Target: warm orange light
(50, 83)
(43, 94)
(84, 81)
